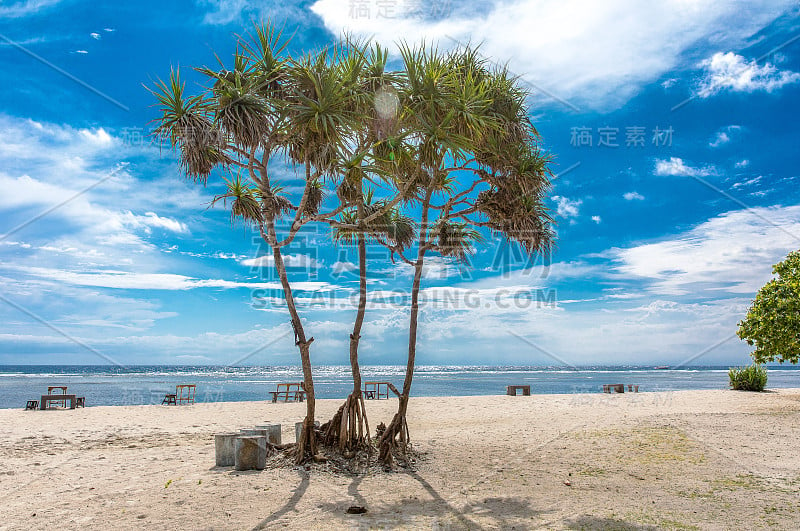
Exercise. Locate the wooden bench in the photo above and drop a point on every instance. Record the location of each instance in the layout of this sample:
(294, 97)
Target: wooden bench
(511, 390)
(170, 400)
(617, 388)
(61, 398)
(291, 392)
(32, 405)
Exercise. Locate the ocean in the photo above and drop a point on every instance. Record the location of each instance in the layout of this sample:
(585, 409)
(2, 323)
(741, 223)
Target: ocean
(105, 385)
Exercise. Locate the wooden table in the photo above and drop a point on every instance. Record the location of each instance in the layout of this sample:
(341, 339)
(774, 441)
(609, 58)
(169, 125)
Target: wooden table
(289, 391)
(57, 398)
(188, 398)
(376, 390)
(511, 390)
(51, 388)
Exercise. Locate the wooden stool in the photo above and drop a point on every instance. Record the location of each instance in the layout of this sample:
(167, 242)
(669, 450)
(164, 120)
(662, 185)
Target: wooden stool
(170, 400)
(32, 404)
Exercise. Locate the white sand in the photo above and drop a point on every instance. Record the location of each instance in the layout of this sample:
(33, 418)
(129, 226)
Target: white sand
(706, 459)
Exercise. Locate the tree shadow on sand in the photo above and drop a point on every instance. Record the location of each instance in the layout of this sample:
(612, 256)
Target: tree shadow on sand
(589, 522)
(290, 504)
(503, 512)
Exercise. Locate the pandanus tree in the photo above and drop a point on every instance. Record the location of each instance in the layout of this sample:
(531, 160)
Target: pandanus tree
(349, 428)
(472, 153)
(371, 90)
(266, 107)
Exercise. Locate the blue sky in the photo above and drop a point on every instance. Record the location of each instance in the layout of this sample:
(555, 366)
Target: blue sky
(673, 129)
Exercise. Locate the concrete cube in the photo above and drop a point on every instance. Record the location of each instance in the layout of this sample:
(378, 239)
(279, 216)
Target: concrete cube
(224, 449)
(298, 429)
(273, 432)
(250, 452)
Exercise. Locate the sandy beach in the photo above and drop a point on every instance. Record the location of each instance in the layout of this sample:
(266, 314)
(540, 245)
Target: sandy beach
(680, 460)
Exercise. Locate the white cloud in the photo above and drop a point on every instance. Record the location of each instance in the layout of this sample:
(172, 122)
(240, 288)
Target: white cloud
(723, 136)
(154, 281)
(720, 139)
(729, 71)
(743, 163)
(748, 182)
(701, 280)
(435, 267)
(597, 219)
(95, 36)
(222, 12)
(151, 220)
(669, 83)
(25, 8)
(633, 196)
(567, 208)
(733, 252)
(592, 54)
(677, 168)
(339, 268)
(289, 260)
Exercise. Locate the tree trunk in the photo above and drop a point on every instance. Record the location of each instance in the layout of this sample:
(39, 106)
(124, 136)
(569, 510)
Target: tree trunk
(396, 434)
(355, 337)
(349, 428)
(307, 445)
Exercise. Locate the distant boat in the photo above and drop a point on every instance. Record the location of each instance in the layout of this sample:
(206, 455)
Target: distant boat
(661, 367)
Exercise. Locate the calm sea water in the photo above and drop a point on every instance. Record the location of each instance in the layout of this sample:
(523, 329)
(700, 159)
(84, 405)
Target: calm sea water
(109, 385)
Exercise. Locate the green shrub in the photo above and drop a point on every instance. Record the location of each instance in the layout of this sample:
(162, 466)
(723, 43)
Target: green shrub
(752, 378)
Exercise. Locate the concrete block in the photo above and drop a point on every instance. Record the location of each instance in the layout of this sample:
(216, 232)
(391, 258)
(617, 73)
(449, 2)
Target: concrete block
(224, 449)
(250, 452)
(298, 429)
(273, 432)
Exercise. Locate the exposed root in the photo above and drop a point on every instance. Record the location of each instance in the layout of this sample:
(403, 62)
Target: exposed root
(348, 430)
(306, 447)
(394, 440)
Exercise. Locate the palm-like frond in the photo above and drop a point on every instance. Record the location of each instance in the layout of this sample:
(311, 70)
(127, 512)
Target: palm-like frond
(316, 194)
(391, 225)
(455, 239)
(273, 201)
(519, 214)
(319, 114)
(240, 110)
(245, 204)
(185, 123)
(268, 65)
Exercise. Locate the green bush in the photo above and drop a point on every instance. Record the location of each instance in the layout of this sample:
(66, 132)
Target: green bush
(752, 378)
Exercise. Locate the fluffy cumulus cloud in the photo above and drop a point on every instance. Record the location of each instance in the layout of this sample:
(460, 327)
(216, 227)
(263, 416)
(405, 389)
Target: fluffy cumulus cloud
(567, 208)
(732, 72)
(588, 54)
(675, 167)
